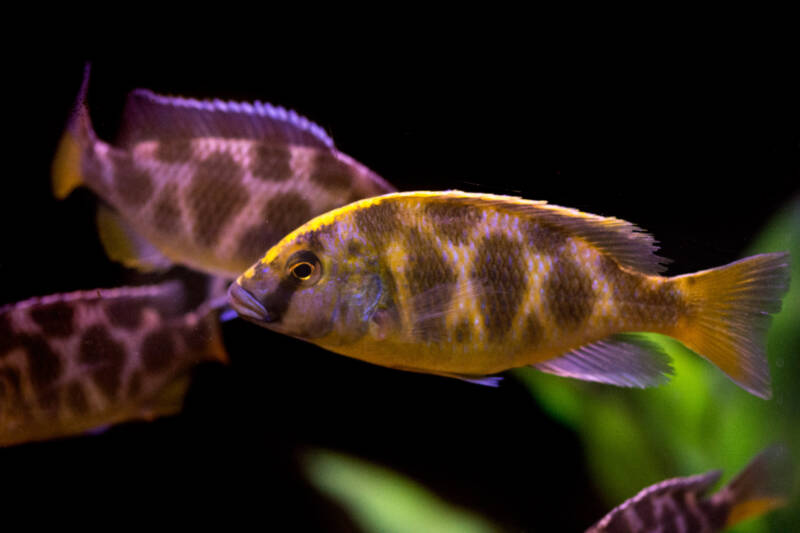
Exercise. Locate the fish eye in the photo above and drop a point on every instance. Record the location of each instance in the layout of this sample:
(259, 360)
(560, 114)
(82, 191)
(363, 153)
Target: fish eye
(304, 266)
(302, 270)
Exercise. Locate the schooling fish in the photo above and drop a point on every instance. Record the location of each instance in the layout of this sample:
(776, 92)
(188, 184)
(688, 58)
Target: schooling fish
(207, 184)
(70, 363)
(466, 285)
(680, 504)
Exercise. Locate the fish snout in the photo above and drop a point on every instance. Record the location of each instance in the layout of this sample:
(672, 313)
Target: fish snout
(246, 304)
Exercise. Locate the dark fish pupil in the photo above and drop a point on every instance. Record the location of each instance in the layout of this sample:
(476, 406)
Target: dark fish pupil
(302, 270)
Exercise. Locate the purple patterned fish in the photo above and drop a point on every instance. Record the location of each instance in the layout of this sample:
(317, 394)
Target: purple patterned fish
(465, 285)
(206, 184)
(73, 362)
(679, 505)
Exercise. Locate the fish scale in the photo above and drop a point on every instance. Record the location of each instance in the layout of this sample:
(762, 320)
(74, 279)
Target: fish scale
(206, 184)
(484, 283)
(72, 362)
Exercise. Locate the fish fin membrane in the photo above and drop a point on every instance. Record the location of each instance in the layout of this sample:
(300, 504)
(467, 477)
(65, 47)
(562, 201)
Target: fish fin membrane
(626, 243)
(125, 245)
(729, 313)
(149, 116)
(625, 360)
(67, 173)
(762, 486)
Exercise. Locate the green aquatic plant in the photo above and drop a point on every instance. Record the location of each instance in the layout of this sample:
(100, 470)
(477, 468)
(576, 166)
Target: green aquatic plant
(700, 420)
(379, 499)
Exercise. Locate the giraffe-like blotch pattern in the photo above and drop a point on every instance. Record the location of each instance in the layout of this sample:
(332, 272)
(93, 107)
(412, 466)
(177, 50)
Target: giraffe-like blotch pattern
(73, 362)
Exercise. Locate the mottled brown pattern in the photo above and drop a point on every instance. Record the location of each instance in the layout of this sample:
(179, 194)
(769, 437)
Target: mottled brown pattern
(501, 278)
(158, 351)
(463, 332)
(637, 300)
(44, 365)
(10, 390)
(430, 281)
(544, 238)
(105, 357)
(287, 212)
(378, 223)
(7, 341)
(76, 399)
(255, 241)
(167, 210)
(44, 369)
(691, 512)
(270, 162)
(125, 314)
(54, 319)
(314, 239)
(215, 196)
(452, 220)
(568, 294)
(133, 184)
(174, 150)
(331, 173)
(533, 332)
(135, 384)
(644, 510)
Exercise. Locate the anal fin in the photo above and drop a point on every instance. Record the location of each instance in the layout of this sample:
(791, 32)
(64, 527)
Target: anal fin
(125, 245)
(625, 360)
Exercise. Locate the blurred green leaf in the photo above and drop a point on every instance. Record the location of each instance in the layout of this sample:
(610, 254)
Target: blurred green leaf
(381, 500)
(701, 420)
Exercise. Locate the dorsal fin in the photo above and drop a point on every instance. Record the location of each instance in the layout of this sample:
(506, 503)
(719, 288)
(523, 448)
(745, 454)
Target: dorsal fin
(149, 116)
(626, 243)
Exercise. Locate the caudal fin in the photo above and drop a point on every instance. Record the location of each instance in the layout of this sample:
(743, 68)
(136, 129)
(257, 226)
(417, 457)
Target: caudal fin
(764, 485)
(727, 316)
(67, 173)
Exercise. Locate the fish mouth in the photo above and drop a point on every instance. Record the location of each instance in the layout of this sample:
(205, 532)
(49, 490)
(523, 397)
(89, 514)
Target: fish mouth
(246, 305)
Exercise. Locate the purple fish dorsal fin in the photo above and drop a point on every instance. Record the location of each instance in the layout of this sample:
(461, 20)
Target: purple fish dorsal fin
(150, 116)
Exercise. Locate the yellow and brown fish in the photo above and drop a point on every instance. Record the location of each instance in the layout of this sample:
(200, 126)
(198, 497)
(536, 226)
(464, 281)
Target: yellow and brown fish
(70, 363)
(206, 184)
(467, 285)
(680, 504)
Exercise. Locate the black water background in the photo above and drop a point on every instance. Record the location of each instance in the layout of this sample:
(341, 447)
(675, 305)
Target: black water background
(700, 154)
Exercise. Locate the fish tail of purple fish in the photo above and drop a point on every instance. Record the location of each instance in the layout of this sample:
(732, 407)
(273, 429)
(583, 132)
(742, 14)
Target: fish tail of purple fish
(762, 486)
(67, 172)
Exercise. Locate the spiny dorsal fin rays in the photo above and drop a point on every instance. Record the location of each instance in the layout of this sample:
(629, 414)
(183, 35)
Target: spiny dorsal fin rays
(628, 244)
(150, 116)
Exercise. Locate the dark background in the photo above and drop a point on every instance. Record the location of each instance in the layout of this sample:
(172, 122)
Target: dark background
(698, 152)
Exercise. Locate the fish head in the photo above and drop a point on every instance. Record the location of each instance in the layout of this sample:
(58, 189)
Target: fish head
(317, 284)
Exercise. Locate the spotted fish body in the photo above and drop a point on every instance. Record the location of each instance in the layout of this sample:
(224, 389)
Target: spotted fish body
(467, 285)
(70, 363)
(207, 184)
(680, 505)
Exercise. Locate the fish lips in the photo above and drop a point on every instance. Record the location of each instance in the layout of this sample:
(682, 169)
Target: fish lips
(247, 305)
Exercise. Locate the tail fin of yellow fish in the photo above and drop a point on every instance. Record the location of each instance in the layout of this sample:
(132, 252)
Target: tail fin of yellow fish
(727, 316)
(762, 486)
(67, 173)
